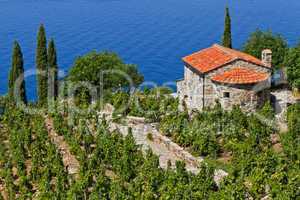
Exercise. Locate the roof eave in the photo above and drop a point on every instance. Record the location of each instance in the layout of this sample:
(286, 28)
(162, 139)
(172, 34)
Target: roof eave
(223, 65)
(246, 83)
(194, 68)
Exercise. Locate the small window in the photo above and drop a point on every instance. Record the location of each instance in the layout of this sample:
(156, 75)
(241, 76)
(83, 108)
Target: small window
(226, 95)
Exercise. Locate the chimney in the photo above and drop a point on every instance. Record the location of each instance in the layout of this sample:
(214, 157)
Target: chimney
(266, 57)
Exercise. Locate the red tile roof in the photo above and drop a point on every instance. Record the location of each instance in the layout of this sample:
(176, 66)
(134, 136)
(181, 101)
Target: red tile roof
(240, 75)
(216, 56)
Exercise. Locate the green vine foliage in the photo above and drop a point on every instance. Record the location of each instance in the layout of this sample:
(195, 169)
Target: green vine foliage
(32, 162)
(114, 167)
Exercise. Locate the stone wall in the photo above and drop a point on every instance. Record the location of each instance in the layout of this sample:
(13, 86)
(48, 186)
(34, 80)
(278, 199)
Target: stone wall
(245, 96)
(191, 162)
(161, 145)
(248, 96)
(181, 93)
(190, 90)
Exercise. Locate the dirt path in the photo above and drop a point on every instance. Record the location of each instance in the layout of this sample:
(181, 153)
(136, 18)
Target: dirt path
(70, 162)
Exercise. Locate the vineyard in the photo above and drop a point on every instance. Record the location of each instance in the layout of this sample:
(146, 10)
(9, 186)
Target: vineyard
(31, 166)
(66, 155)
(75, 149)
(111, 167)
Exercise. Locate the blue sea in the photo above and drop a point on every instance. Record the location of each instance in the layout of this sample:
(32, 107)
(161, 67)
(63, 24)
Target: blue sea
(154, 34)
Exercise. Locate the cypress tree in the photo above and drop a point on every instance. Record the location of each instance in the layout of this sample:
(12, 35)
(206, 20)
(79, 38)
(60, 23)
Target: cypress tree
(53, 70)
(42, 66)
(226, 40)
(16, 76)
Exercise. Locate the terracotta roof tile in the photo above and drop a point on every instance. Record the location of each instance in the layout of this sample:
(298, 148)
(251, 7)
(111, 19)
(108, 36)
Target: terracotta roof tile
(240, 75)
(216, 56)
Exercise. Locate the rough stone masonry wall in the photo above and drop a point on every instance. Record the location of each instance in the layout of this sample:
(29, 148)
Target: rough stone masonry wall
(190, 90)
(181, 92)
(162, 146)
(248, 99)
(248, 96)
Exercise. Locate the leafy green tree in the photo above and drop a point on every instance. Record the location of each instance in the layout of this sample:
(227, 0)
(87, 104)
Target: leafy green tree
(42, 66)
(260, 40)
(94, 67)
(292, 65)
(16, 75)
(53, 70)
(227, 40)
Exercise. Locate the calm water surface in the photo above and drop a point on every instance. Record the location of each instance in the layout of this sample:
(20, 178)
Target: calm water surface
(154, 34)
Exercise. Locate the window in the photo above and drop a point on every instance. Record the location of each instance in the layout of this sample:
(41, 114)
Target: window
(226, 95)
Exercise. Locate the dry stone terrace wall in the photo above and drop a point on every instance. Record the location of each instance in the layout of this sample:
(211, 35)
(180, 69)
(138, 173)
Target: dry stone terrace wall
(161, 145)
(69, 160)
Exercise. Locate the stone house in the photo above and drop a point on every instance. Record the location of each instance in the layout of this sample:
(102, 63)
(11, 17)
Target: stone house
(226, 75)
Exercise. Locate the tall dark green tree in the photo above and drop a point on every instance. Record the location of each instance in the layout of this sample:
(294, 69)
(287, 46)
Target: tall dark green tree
(52, 70)
(226, 40)
(42, 66)
(16, 85)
